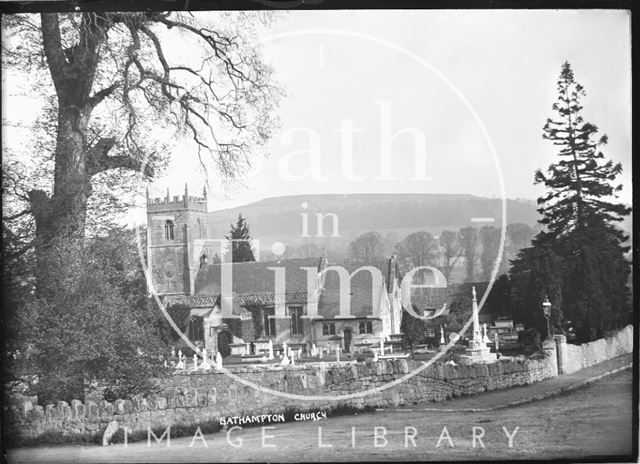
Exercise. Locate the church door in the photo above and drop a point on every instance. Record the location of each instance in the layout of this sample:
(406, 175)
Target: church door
(225, 338)
(347, 340)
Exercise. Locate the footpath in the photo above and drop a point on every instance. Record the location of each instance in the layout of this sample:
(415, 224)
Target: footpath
(509, 397)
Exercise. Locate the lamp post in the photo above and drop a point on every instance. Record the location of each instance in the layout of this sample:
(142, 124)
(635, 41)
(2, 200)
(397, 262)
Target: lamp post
(546, 308)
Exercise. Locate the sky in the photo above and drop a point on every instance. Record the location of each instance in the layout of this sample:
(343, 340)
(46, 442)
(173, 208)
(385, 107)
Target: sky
(423, 102)
(447, 84)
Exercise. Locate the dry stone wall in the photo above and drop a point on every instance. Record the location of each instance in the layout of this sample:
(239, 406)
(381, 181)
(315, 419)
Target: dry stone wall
(189, 398)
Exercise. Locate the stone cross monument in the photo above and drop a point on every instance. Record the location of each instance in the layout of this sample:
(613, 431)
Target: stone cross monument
(477, 351)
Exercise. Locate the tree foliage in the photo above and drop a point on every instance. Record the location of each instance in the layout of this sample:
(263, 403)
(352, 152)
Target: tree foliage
(581, 182)
(116, 81)
(451, 251)
(469, 242)
(413, 329)
(490, 245)
(240, 237)
(460, 309)
(499, 298)
(94, 328)
(519, 236)
(367, 248)
(420, 248)
(537, 272)
(579, 260)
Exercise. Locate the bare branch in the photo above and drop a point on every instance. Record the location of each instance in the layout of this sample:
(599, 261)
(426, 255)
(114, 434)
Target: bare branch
(124, 162)
(98, 160)
(16, 216)
(102, 94)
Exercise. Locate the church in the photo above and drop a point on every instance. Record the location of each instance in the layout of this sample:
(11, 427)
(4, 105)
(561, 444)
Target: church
(302, 307)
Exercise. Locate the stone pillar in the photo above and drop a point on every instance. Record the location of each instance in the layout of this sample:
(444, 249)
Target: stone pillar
(561, 348)
(549, 349)
(477, 337)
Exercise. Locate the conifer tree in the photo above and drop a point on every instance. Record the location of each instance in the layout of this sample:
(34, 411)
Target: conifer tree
(581, 249)
(537, 272)
(240, 236)
(579, 184)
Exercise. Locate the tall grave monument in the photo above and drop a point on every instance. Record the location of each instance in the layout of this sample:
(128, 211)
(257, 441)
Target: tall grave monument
(477, 351)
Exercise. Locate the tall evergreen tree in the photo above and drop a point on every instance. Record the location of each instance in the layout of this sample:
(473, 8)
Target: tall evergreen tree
(582, 249)
(537, 272)
(579, 185)
(240, 237)
(596, 291)
(499, 299)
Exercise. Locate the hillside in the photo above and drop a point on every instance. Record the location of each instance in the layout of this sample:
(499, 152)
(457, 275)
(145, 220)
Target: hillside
(279, 219)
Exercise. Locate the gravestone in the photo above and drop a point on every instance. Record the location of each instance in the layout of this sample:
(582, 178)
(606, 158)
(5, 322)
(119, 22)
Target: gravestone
(111, 430)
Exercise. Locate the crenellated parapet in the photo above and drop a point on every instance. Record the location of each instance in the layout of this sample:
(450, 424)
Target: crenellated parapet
(170, 203)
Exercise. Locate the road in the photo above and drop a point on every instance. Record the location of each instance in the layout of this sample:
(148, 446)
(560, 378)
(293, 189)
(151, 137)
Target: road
(588, 422)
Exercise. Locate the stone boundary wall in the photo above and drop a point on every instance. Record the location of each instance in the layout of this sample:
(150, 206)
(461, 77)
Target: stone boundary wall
(193, 398)
(190, 398)
(572, 358)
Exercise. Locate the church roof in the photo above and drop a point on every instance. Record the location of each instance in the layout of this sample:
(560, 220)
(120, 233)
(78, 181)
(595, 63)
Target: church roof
(253, 283)
(255, 277)
(361, 291)
(389, 268)
(430, 298)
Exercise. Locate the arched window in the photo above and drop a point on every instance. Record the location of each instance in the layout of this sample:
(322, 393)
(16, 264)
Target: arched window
(296, 320)
(168, 230)
(365, 327)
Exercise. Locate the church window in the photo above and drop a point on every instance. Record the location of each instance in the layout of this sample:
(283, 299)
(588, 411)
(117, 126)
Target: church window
(296, 320)
(366, 327)
(168, 230)
(328, 329)
(269, 323)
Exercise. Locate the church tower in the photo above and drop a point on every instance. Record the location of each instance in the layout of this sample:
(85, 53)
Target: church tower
(173, 225)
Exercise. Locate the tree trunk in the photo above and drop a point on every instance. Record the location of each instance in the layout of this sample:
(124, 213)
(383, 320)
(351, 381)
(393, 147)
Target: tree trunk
(72, 184)
(60, 220)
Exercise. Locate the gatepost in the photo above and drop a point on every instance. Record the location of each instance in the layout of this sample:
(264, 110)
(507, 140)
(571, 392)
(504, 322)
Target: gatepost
(549, 349)
(561, 345)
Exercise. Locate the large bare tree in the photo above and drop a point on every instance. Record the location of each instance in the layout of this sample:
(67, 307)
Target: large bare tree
(116, 79)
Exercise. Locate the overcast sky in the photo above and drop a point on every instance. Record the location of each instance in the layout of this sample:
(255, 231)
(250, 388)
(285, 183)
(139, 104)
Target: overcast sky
(444, 77)
(421, 66)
